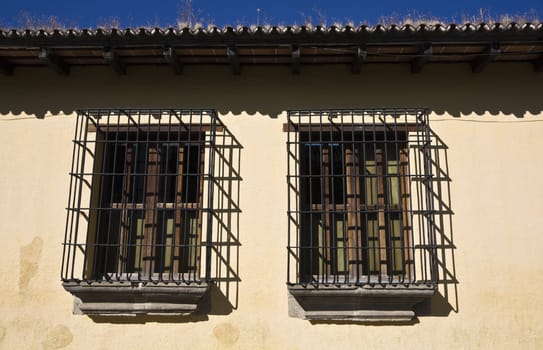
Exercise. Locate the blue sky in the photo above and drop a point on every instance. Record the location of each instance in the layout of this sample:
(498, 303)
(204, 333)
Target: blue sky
(134, 13)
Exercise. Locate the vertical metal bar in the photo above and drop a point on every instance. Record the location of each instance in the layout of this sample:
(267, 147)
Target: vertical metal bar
(324, 180)
(412, 188)
(136, 145)
(440, 210)
(352, 177)
(344, 210)
(151, 198)
(70, 245)
(194, 251)
(209, 234)
(179, 212)
(229, 200)
(112, 174)
(420, 204)
(366, 250)
(99, 252)
(289, 189)
(430, 202)
(79, 194)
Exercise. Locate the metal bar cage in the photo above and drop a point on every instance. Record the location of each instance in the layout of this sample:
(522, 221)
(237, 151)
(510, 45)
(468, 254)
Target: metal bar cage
(361, 197)
(149, 191)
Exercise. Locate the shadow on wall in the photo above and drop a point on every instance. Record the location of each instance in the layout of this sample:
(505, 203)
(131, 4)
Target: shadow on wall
(446, 298)
(502, 88)
(225, 244)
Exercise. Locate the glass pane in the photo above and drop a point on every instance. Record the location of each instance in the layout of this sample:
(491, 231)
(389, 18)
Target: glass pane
(107, 241)
(369, 180)
(340, 246)
(118, 168)
(370, 183)
(311, 246)
(136, 247)
(191, 173)
(190, 234)
(337, 173)
(168, 249)
(137, 184)
(394, 230)
(164, 240)
(168, 171)
(371, 255)
(310, 174)
(393, 183)
(321, 260)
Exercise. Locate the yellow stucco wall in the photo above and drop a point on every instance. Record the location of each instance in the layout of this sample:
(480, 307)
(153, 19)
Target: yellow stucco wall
(492, 123)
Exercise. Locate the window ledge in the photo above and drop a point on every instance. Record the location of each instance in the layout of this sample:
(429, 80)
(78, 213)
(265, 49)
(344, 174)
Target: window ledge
(370, 304)
(120, 299)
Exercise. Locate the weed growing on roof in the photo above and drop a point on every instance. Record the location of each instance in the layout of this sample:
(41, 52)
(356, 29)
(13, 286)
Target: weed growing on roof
(27, 20)
(191, 17)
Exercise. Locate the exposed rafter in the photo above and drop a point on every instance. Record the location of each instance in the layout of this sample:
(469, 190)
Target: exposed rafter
(111, 57)
(274, 46)
(424, 55)
(46, 55)
(479, 64)
(359, 57)
(295, 60)
(233, 59)
(171, 57)
(6, 67)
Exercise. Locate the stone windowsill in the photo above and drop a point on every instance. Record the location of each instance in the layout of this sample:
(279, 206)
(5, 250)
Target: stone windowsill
(118, 298)
(371, 304)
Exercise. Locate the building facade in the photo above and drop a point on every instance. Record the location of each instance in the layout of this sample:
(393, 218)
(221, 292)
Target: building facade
(272, 187)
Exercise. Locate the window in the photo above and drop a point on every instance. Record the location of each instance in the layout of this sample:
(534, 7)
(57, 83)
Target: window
(145, 217)
(354, 192)
(144, 205)
(359, 216)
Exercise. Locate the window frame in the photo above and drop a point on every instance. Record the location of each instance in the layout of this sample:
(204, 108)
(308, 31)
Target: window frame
(354, 207)
(137, 144)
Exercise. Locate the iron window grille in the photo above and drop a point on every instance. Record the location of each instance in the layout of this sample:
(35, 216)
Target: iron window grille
(360, 197)
(147, 190)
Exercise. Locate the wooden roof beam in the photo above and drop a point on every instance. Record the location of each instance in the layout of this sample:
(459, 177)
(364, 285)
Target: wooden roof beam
(111, 58)
(424, 55)
(295, 65)
(171, 57)
(359, 57)
(480, 63)
(46, 55)
(6, 66)
(233, 59)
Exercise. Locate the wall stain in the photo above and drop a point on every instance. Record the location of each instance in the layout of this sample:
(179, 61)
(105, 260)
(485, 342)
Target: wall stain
(28, 261)
(261, 333)
(226, 334)
(58, 337)
(2, 333)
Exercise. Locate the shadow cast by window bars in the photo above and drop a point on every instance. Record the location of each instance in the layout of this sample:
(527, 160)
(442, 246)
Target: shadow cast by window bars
(368, 200)
(154, 198)
(443, 224)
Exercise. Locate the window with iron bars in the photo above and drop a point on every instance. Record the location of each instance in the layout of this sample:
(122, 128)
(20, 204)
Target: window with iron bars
(141, 197)
(360, 197)
(152, 210)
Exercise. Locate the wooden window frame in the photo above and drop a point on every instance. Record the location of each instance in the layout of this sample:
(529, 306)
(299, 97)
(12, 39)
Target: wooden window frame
(151, 248)
(343, 253)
